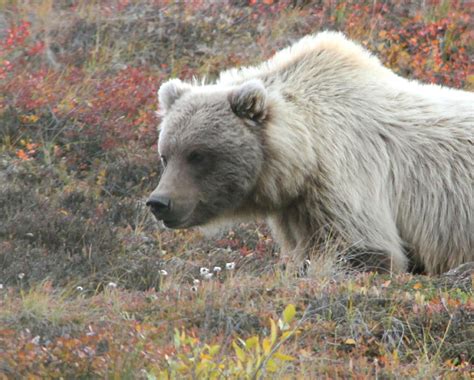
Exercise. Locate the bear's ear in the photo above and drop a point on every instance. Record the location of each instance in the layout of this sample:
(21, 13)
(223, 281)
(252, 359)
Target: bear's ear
(169, 92)
(249, 100)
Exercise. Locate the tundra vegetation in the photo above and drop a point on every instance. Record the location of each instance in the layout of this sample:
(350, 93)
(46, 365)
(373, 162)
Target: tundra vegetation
(92, 287)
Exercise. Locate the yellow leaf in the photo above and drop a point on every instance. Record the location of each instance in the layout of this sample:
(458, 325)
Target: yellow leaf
(206, 357)
(283, 357)
(271, 366)
(239, 352)
(350, 341)
(29, 118)
(213, 350)
(417, 286)
(251, 342)
(395, 356)
(273, 335)
(267, 346)
(289, 313)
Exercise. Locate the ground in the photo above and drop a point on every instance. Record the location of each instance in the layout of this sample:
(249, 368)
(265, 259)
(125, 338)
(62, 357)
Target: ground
(92, 287)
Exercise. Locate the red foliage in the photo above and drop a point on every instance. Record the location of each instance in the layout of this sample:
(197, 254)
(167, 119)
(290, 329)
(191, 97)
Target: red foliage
(118, 106)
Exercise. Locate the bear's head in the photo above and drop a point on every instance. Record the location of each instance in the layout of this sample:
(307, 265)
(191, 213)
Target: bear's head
(211, 149)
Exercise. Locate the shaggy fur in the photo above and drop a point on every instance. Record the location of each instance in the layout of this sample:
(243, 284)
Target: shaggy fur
(322, 140)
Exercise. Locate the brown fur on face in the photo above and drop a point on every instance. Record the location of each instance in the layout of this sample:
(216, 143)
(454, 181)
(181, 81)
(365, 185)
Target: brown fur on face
(325, 143)
(212, 149)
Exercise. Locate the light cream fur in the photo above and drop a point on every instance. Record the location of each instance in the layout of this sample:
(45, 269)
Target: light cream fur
(391, 159)
(352, 149)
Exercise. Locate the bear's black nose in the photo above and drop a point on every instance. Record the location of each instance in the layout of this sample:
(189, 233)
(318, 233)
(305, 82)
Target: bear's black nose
(159, 204)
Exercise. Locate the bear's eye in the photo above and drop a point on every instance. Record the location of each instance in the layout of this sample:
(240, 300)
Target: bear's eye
(196, 157)
(164, 161)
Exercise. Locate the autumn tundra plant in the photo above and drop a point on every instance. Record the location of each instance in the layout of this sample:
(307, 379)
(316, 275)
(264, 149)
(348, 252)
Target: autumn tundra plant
(255, 357)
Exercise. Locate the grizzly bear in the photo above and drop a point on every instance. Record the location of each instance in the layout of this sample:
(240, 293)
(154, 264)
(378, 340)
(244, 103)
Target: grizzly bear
(325, 143)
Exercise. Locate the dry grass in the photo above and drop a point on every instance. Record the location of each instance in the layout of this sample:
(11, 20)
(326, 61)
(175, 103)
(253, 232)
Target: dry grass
(349, 325)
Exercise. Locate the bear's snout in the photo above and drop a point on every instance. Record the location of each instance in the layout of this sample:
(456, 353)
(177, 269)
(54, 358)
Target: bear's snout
(160, 206)
(173, 211)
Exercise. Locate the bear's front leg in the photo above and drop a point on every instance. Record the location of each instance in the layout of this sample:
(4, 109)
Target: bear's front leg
(303, 235)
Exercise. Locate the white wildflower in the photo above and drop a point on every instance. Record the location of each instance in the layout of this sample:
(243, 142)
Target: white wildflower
(79, 288)
(112, 285)
(21, 275)
(230, 266)
(90, 332)
(194, 288)
(1, 286)
(217, 269)
(208, 276)
(163, 272)
(196, 281)
(307, 262)
(204, 271)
